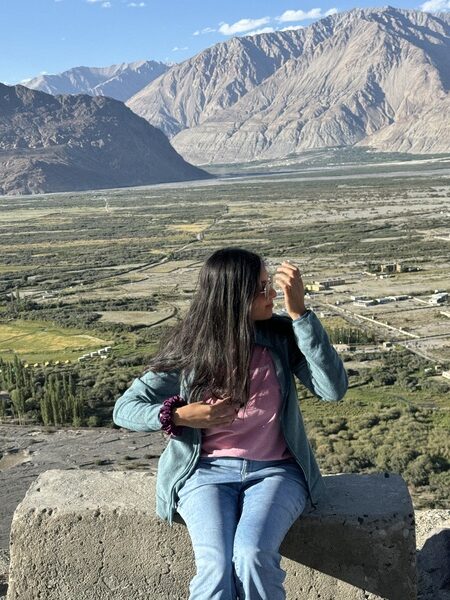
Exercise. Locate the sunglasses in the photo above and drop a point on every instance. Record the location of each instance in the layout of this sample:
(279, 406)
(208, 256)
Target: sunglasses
(266, 288)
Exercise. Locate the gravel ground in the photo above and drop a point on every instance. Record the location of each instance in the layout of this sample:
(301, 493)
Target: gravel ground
(25, 452)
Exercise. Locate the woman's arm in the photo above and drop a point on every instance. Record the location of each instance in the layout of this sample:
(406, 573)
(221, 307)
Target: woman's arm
(320, 368)
(200, 415)
(138, 408)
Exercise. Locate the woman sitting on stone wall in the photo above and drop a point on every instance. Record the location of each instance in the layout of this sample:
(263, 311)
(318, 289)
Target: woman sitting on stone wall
(238, 467)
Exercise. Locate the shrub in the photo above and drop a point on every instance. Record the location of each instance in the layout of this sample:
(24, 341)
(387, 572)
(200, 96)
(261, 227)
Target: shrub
(368, 421)
(335, 425)
(418, 471)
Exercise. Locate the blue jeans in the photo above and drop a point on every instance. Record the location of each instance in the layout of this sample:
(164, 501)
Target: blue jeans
(238, 512)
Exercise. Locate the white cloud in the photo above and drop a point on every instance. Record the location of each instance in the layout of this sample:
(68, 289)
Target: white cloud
(177, 49)
(203, 31)
(255, 26)
(101, 2)
(263, 30)
(106, 5)
(291, 28)
(243, 25)
(299, 15)
(136, 4)
(436, 6)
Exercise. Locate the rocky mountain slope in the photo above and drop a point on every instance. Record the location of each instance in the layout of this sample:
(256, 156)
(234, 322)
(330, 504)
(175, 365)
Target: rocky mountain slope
(117, 81)
(373, 77)
(191, 92)
(66, 143)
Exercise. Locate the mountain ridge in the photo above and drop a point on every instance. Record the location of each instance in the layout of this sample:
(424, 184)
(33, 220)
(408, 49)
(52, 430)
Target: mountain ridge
(120, 81)
(377, 77)
(68, 143)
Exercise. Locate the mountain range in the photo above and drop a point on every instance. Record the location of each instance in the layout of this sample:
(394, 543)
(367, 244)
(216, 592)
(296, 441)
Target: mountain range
(117, 81)
(377, 78)
(67, 143)
(370, 77)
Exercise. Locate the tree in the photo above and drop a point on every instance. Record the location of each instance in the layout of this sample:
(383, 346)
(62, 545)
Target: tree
(45, 408)
(18, 401)
(78, 404)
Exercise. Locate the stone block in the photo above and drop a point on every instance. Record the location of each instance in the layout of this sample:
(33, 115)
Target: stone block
(360, 546)
(93, 535)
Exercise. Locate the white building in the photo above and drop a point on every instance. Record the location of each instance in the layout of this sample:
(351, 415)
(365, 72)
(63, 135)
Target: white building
(438, 298)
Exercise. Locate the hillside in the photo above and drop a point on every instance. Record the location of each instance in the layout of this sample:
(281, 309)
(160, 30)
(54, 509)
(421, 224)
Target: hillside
(66, 143)
(372, 77)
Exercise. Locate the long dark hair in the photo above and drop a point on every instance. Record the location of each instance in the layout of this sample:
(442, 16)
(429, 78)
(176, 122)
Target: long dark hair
(214, 340)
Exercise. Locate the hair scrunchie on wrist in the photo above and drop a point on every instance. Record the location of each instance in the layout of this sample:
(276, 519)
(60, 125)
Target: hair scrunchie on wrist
(166, 415)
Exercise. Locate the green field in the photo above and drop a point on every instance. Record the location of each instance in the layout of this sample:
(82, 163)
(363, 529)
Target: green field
(38, 342)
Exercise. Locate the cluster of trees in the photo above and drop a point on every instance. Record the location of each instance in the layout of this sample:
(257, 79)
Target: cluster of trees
(15, 303)
(52, 396)
(396, 435)
(350, 335)
(60, 402)
(84, 313)
(65, 317)
(19, 382)
(407, 370)
(124, 303)
(396, 438)
(73, 395)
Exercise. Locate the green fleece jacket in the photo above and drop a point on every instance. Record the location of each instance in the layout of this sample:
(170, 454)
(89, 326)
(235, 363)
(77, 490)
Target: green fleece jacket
(299, 347)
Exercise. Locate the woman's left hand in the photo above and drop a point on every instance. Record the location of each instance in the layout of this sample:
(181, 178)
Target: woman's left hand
(289, 279)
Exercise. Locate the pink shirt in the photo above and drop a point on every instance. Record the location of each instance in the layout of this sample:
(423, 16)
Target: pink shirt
(255, 434)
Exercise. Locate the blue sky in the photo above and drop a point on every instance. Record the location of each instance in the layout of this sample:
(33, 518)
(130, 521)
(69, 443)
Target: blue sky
(50, 36)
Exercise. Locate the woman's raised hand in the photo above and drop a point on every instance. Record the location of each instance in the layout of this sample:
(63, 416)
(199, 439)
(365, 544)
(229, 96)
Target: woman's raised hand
(200, 415)
(289, 279)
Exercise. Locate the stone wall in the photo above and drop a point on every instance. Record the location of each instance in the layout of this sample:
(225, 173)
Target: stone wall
(94, 535)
